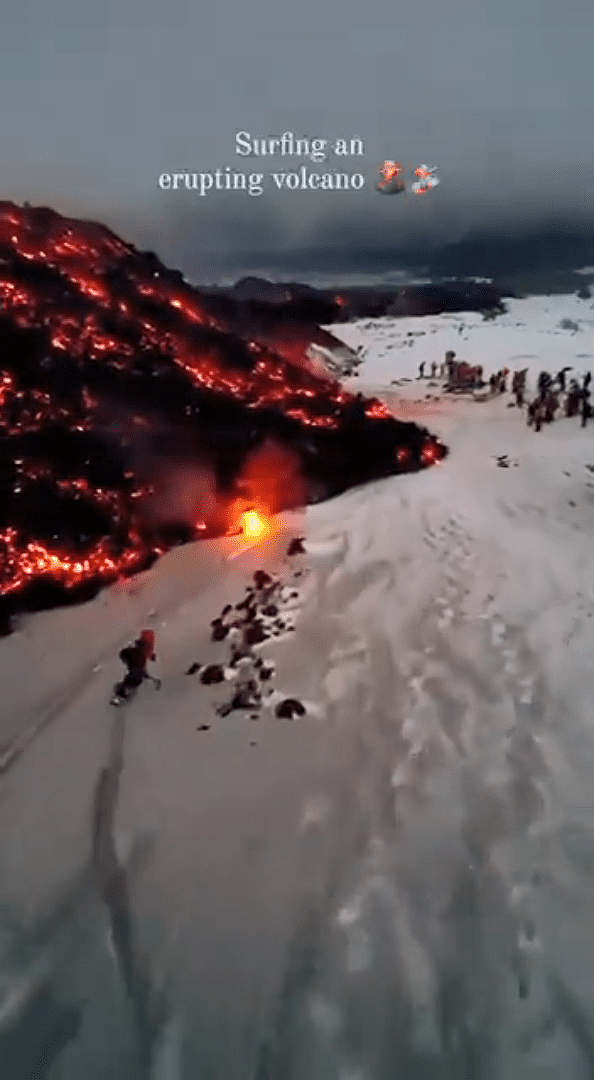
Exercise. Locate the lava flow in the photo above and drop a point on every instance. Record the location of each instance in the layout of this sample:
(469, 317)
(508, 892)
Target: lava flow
(254, 525)
(105, 357)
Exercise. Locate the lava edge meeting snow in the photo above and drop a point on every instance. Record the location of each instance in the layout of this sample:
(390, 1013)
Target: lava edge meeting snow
(426, 828)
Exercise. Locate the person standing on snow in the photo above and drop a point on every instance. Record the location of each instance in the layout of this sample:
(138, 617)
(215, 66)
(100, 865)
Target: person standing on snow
(544, 383)
(561, 378)
(585, 398)
(519, 386)
(449, 365)
(136, 657)
(572, 401)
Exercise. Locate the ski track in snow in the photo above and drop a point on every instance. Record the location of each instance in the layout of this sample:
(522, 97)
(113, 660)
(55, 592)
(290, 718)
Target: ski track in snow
(398, 884)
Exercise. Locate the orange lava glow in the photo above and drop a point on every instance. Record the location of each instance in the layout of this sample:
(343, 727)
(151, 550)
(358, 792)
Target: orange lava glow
(20, 562)
(103, 307)
(84, 255)
(430, 454)
(255, 525)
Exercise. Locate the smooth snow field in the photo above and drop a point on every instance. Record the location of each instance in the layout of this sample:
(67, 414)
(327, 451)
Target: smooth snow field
(398, 885)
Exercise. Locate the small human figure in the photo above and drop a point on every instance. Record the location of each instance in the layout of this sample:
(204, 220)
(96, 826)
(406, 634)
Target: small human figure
(136, 657)
(585, 399)
(551, 404)
(572, 401)
(422, 370)
(544, 383)
(519, 386)
(561, 378)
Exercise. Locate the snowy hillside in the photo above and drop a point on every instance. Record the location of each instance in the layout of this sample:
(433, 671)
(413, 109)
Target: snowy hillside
(529, 335)
(399, 883)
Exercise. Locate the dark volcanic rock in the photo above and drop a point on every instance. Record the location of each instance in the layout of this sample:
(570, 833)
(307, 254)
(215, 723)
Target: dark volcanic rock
(289, 708)
(296, 547)
(213, 673)
(254, 634)
(107, 358)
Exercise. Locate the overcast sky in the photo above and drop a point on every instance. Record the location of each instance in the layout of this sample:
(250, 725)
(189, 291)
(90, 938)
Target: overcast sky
(98, 100)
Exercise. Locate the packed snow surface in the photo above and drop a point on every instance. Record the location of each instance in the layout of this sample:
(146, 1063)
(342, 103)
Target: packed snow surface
(399, 883)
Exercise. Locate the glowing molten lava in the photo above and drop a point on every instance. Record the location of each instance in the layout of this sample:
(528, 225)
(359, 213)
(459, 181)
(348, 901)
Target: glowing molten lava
(98, 344)
(254, 525)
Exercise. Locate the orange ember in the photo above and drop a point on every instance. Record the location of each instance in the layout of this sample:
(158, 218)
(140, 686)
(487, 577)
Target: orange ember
(255, 525)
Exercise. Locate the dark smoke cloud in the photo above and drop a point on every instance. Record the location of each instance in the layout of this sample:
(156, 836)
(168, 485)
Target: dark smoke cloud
(435, 238)
(164, 455)
(272, 477)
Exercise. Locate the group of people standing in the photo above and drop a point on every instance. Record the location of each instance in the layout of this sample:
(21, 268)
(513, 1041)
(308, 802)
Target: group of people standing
(544, 407)
(553, 392)
(456, 374)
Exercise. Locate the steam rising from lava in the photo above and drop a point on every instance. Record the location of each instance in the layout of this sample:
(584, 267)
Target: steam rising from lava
(133, 417)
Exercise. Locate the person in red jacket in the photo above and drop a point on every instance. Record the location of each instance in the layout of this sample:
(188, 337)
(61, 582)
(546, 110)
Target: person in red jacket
(136, 657)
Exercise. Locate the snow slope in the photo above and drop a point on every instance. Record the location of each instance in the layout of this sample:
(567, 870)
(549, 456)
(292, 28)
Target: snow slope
(398, 884)
(528, 336)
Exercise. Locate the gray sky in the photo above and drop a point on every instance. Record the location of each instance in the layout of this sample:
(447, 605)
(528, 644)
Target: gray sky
(98, 100)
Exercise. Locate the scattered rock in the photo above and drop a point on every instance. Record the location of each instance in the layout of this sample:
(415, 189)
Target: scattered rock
(193, 668)
(247, 698)
(219, 632)
(213, 673)
(296, 546)
(270, 609)
(289, 709)
(203, 727)
(254, 634)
